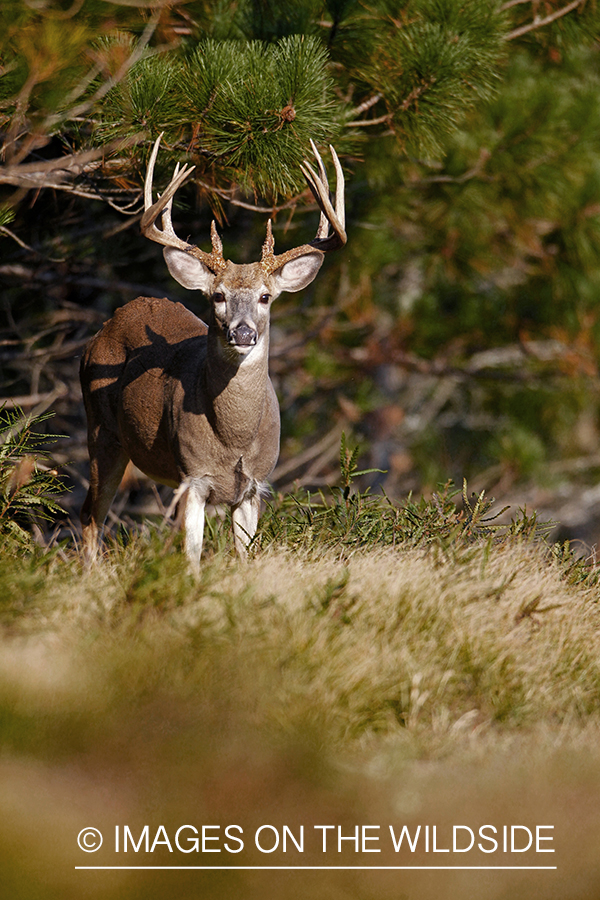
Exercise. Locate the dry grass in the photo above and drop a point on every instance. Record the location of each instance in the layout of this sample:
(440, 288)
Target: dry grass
(389, 687)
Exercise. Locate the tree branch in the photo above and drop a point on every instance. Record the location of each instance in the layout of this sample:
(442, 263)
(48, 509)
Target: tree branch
(36, 175)
(539, 23)
(361, 122)
(61, 174)
(366, 105)
(134, 57)
(17, 239)
(228, 195)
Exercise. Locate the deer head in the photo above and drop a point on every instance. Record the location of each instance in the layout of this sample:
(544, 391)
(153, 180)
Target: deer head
(241, 295)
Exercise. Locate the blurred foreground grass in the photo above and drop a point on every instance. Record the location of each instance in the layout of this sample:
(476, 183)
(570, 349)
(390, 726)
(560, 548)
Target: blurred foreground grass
(435, 684)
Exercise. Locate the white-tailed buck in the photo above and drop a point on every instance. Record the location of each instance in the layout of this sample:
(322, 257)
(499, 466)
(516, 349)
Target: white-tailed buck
(192, 404)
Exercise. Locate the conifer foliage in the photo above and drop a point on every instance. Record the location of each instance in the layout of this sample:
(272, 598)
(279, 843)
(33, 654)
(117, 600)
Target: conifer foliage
(249, 108)
(242, 86)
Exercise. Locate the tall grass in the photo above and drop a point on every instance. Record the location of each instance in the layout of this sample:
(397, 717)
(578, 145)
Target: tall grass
(370, 664)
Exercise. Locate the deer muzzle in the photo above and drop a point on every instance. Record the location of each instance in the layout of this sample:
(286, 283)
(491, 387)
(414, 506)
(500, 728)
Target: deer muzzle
(242, 336)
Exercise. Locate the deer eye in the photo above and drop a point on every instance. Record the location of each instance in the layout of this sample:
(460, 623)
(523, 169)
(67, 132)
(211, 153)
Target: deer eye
(265, 298)
(218, 297)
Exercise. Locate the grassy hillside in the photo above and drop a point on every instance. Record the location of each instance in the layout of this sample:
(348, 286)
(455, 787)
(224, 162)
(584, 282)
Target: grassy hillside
(369, 666)
(372, 672)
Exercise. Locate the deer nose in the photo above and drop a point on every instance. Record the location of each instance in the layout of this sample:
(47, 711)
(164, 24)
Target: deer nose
(242, 336)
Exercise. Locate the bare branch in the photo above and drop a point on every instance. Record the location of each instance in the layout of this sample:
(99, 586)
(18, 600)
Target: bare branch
(332, 438)
(361, 122)
(60, 174)
(30, 174)
(228, 195)
(17, 239)
(11, 234)
(366, 105)
(539, 23)
(40, 400)
(501, 363)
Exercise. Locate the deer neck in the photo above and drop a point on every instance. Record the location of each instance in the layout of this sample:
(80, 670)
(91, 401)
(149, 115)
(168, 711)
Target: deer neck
(236, 390)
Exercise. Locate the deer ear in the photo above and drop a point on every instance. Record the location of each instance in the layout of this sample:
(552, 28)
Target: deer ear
(297, 273)
(188, 271)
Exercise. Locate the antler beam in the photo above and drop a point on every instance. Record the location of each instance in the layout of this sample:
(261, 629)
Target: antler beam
(331, 216)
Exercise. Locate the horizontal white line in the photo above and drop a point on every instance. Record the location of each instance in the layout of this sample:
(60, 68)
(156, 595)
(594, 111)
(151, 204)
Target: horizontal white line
(319, 868)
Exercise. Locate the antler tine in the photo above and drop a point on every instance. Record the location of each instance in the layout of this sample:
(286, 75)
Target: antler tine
(167, 223)
(150, 174)
(163, 205)
(340, 209)
(215, 240)
(320, 189)
(323, 229)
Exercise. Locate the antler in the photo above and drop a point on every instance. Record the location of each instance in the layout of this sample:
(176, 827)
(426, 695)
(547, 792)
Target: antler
(166, 236)
(323, 241)
(329, 216)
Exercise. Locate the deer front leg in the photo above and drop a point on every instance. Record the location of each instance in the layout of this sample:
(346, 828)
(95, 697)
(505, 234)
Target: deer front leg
(195, 501)
(245, 519)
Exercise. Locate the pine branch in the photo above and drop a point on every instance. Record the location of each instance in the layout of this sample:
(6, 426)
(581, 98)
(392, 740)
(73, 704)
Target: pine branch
(103, 90)
(37, 175)
(17, 154)
(432, 69)
(366, 105)
(539, 23)
(362, 122)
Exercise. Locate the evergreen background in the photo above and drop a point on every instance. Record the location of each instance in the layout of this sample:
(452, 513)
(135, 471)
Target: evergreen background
(457, 335)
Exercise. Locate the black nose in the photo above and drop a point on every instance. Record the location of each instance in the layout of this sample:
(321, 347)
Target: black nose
(242, 336)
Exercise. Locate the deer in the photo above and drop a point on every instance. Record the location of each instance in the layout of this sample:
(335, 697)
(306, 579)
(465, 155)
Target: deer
(191, 404)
